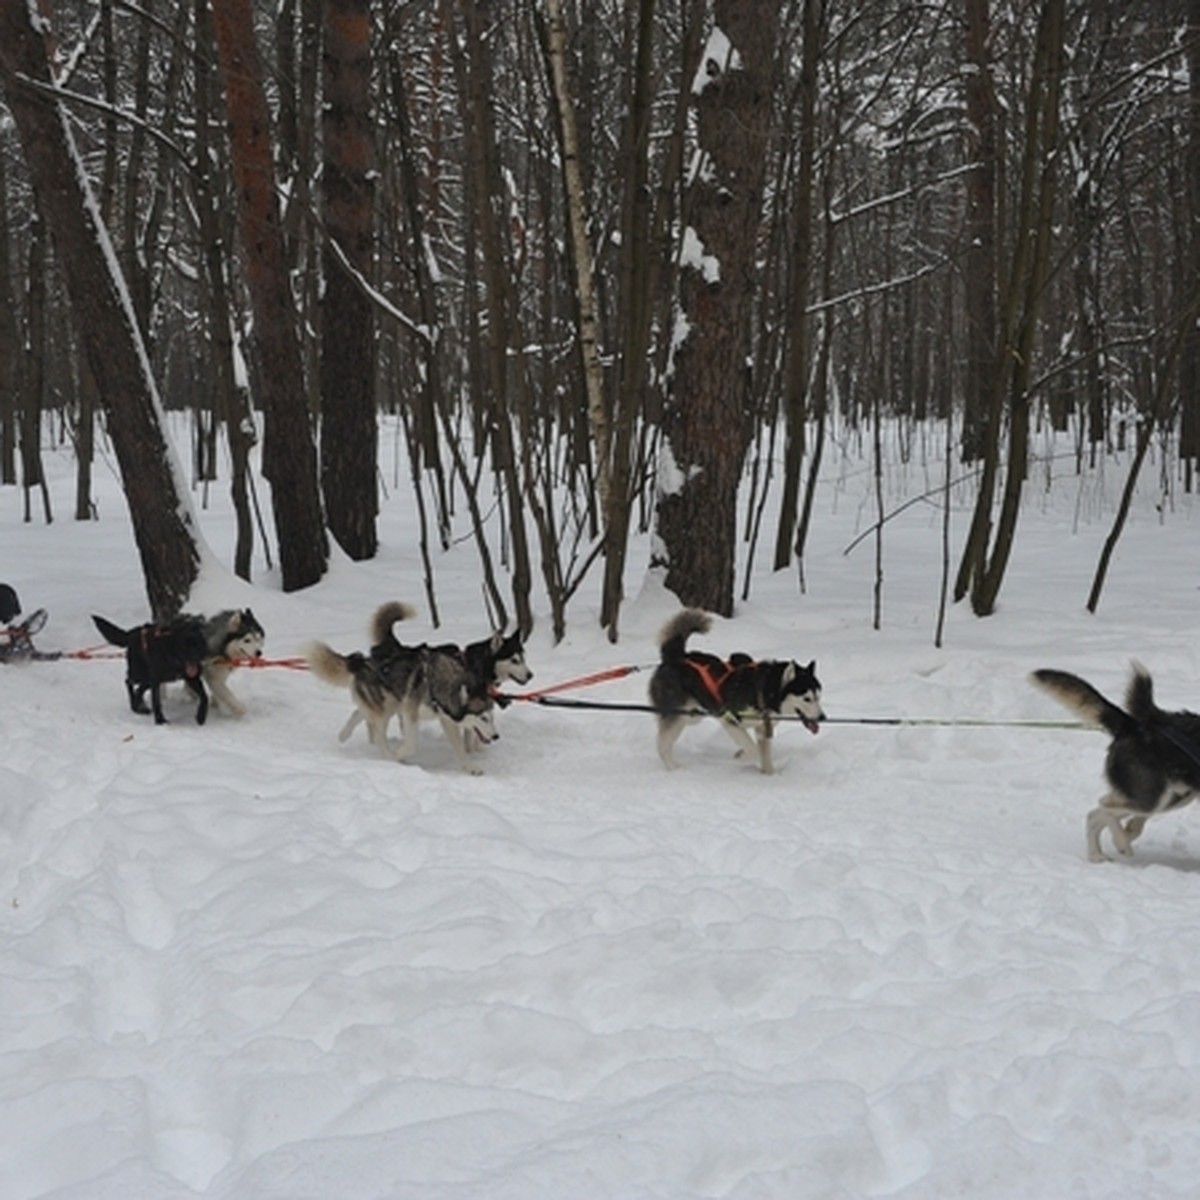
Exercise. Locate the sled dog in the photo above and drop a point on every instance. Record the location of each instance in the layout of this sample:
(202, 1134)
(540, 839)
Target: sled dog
(1153, 761)
(412, 682)
(746, 694)
(497, 659)
(161, 653)
(232, 637)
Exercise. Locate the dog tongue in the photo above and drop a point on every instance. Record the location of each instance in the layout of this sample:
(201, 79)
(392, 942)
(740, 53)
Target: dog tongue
(192, 670)
(811, 726)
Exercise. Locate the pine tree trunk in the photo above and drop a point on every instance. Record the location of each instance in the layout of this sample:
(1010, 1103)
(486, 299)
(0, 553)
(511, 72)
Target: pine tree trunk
(349, 425)
(289, 454)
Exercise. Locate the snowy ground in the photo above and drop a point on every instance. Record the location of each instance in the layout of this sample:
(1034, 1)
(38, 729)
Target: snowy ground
(246, 961)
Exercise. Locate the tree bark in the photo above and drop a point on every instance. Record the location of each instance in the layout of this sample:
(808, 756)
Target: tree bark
(349, 424)
(706, 421)
(289, 455)
(164, 526)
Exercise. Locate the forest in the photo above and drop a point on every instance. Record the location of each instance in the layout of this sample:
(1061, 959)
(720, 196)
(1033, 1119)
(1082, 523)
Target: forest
(616, 268)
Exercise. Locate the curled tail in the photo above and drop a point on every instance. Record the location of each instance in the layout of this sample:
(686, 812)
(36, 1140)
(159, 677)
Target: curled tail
(675, 633)
(386, 615)
(111, 633)
(1079, 696)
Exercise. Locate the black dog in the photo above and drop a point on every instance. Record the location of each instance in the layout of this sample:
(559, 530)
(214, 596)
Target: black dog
(746, 694)
(158, 654)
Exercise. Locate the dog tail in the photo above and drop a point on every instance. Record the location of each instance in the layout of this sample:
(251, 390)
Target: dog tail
(1139, 696)
(674, 635)
(111, 633)
(1079, 696)
(386, 615)
(328, 665)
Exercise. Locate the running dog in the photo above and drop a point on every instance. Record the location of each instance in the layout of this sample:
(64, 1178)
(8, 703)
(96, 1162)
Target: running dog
(158, 654)
(746, 695)
(492, 660)
(412, 682)
(1153, 761)
(232, 637)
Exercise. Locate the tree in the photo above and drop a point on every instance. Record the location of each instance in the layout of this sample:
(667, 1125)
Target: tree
(289, 455)
(349, 427)
(164, 526)
(706, 422)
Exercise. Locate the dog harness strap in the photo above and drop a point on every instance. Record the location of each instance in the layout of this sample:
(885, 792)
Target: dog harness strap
(712, 684)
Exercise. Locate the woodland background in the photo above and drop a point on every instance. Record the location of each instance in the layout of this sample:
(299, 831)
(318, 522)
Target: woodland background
(616, 267)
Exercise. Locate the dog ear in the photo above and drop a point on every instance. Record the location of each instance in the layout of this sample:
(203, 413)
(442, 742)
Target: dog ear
(812, 667)
(789, 673)
(497, 641)
(234, 623)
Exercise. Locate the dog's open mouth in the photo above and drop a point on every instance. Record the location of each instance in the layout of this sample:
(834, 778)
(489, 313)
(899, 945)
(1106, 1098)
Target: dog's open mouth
(811, 725)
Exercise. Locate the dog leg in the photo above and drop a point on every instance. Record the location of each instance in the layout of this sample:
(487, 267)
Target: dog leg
(745, 743)
(410, 733)
(156, 704)
(766, 733)
(1099, 819)
(196, 684)
(222, 697)
(455, 736)
(1133, 830)
(669, 729)
(352, 723)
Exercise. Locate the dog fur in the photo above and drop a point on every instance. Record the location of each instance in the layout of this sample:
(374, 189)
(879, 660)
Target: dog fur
(497, 659)
(747, 695)
(158, 654)
(1153, 760)
(232, 637)
(412, 682)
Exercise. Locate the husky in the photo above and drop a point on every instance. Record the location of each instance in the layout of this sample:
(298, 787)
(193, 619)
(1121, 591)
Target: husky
(746, 695)
(233, 637)
(1153, 761)
(157, 654)
(412, 682)
(497, 659)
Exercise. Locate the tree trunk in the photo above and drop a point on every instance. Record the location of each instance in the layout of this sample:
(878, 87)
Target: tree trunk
(706, 422)
(164, 527)
(795, 401)
(349, 424)
(289, 455)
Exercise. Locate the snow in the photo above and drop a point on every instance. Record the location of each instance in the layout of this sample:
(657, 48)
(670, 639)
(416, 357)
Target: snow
(242, 960)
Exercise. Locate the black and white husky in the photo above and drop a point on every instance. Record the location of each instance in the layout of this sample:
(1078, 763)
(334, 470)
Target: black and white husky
(233, 637)
(412, 682)
(746, 694)
(1153, 761)
(494, 660)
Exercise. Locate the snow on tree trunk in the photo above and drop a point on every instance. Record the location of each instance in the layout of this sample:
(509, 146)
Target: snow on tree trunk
(707, 424)
(164, 524)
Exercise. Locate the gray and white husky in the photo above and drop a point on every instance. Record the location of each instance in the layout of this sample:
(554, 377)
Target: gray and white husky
(746, 694)
(412, 682)
(234, 637)
(1153, 761)
(494, 660)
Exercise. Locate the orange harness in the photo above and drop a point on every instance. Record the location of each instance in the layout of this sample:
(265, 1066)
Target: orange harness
(713, 683)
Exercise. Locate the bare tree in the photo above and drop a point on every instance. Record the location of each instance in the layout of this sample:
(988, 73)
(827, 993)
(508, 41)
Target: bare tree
(163, 525)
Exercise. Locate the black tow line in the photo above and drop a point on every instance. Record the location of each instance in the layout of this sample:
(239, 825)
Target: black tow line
(546, 701)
